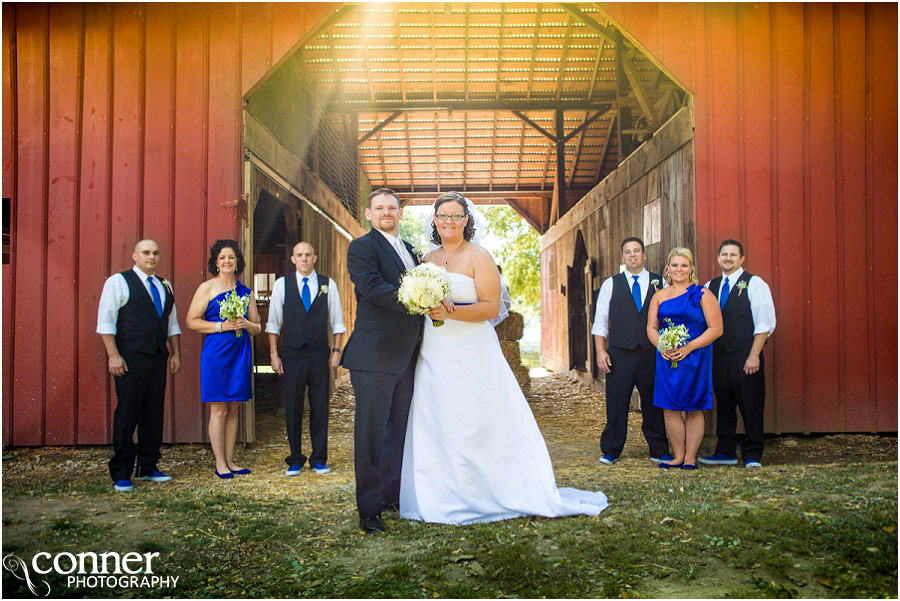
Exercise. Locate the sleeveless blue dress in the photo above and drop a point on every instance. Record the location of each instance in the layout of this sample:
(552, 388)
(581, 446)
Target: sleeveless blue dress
(687, 387)
(226, 360)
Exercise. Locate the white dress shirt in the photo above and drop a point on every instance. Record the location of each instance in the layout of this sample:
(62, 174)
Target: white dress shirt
(276, 303)
(601, 314)
(398, 245)
(115, 295)
(762, 307)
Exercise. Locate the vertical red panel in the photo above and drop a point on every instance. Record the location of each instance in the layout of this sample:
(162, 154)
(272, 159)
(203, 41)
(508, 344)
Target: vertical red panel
(254, 43)
(823, 369)
(790, 301)
(674, 53)
(62, 239)
(94, 397)
(159, 155)
(31, 215)
(9, 191)
(758, 162)
(286, 26)
(703, 141)
(850, 26)
(883, 81)
(191, 97)
(723, 94)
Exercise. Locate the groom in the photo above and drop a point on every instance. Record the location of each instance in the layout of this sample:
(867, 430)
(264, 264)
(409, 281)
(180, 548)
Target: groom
(381, 356)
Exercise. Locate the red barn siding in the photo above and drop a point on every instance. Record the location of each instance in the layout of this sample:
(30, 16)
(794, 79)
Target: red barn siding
(121, 121)
(796, 155)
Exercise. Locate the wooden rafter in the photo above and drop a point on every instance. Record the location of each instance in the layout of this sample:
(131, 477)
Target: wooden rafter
(637, 87)
(378, 127)
(466, 54)
(537, 127)
(409, 157)
(605, 150)
(534, 46)
(587, 121)
(473, 105)
(591, 22)
(528, 217)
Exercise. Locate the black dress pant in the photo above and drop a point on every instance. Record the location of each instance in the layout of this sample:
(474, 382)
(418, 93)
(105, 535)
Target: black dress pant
(141, 394)
(306, 368)
(382, 410)
(630, 368)
(735, 389)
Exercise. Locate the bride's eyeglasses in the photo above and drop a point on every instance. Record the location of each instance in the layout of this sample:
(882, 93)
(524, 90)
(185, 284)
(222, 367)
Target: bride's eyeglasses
(455, 218)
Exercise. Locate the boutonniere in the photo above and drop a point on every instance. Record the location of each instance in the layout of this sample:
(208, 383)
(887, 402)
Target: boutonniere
(323, 289)
(741, 286)
(168, 285)
(656, 284)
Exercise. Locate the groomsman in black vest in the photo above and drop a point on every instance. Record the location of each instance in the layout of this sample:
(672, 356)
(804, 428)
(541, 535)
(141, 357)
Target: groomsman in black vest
(306, 303)
(626, 356)
(748, 314)
(135, 320)
(381, 356)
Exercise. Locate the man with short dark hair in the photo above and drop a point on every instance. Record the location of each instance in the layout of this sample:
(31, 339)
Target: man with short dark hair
(135, 320)
(626, 356)
(748, 315)
(306, 303)
(381, 356)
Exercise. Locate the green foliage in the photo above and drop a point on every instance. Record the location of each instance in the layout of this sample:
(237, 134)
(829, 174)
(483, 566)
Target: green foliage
(519, 255)
(411, 228)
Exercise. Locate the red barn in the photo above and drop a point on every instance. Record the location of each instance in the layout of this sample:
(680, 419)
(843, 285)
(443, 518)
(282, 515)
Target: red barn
(775, 124)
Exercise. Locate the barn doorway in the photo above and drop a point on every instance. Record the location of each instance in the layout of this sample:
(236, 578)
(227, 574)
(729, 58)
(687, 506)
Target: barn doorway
(577, 296)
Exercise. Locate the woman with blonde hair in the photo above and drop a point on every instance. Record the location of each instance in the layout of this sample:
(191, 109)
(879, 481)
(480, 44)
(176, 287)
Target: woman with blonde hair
(683, 380)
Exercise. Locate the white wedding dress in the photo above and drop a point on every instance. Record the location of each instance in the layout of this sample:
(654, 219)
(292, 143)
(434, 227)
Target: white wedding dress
(473, 450)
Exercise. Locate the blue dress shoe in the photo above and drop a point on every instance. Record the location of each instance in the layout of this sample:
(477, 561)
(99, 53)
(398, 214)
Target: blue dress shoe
(607, 460)
(293, 470)
(123, 486)
(241, 472)
(688, 466)
(321, 468)
(665, 466)
(154, 477)
(752, 463)
(662, 459)
(224, 476)
(718, 459)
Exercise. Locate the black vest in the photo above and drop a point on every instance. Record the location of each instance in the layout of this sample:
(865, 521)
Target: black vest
(302, 327)
(736, 316)
(627, 326)
(138, 327)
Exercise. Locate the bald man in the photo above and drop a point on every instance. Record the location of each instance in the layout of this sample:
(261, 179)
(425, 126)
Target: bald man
(302, 307)
(136, 320)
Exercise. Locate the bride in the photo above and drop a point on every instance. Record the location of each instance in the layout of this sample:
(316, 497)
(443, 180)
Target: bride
(473, 451)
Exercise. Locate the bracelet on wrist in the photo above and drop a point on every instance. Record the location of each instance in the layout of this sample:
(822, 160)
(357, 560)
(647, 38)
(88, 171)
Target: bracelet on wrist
(218, 326)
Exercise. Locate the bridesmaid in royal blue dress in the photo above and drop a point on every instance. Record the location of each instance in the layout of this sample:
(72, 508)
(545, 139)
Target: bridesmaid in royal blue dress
(226, 359)
(687, 387)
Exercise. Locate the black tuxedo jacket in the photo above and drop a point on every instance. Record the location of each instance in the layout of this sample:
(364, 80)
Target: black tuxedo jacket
(385, 336)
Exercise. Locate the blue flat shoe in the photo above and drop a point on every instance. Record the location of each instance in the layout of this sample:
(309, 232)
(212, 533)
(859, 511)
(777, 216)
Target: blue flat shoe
(223, 476)
(687, 466)
(241, 472)
(665, 466)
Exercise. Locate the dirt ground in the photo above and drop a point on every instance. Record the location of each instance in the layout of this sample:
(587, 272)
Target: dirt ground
(571, 417)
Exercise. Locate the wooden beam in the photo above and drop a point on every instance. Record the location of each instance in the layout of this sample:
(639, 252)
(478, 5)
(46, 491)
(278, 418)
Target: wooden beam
(637, 87)
(582, 127)
(378, 127)
(602, 103)
(477, 196)
(588, 20)
(540, 129)
(528, 217)
(559, 184)
(612, 125)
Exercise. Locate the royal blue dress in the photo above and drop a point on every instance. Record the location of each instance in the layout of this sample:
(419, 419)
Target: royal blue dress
(687, 387)
(226, 360)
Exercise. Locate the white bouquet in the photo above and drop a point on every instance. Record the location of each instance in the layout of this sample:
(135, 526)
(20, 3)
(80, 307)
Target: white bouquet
(423, 287)
(673, 337)
(234, 306)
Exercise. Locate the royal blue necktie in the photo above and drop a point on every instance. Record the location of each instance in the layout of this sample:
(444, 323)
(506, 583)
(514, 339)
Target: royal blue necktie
(723, 293)
(304, 295)
(636, 293)
(157, 302)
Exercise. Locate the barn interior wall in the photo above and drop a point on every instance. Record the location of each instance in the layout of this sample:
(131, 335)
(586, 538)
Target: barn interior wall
(280, 104)
(660, 170)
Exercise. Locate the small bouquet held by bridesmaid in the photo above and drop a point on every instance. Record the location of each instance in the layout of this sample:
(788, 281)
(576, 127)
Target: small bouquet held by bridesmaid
(423, 287)
(673, 337)
(234, 306)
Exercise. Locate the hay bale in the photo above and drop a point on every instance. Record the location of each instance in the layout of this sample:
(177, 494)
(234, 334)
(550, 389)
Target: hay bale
(509, 331)
(511, 328)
